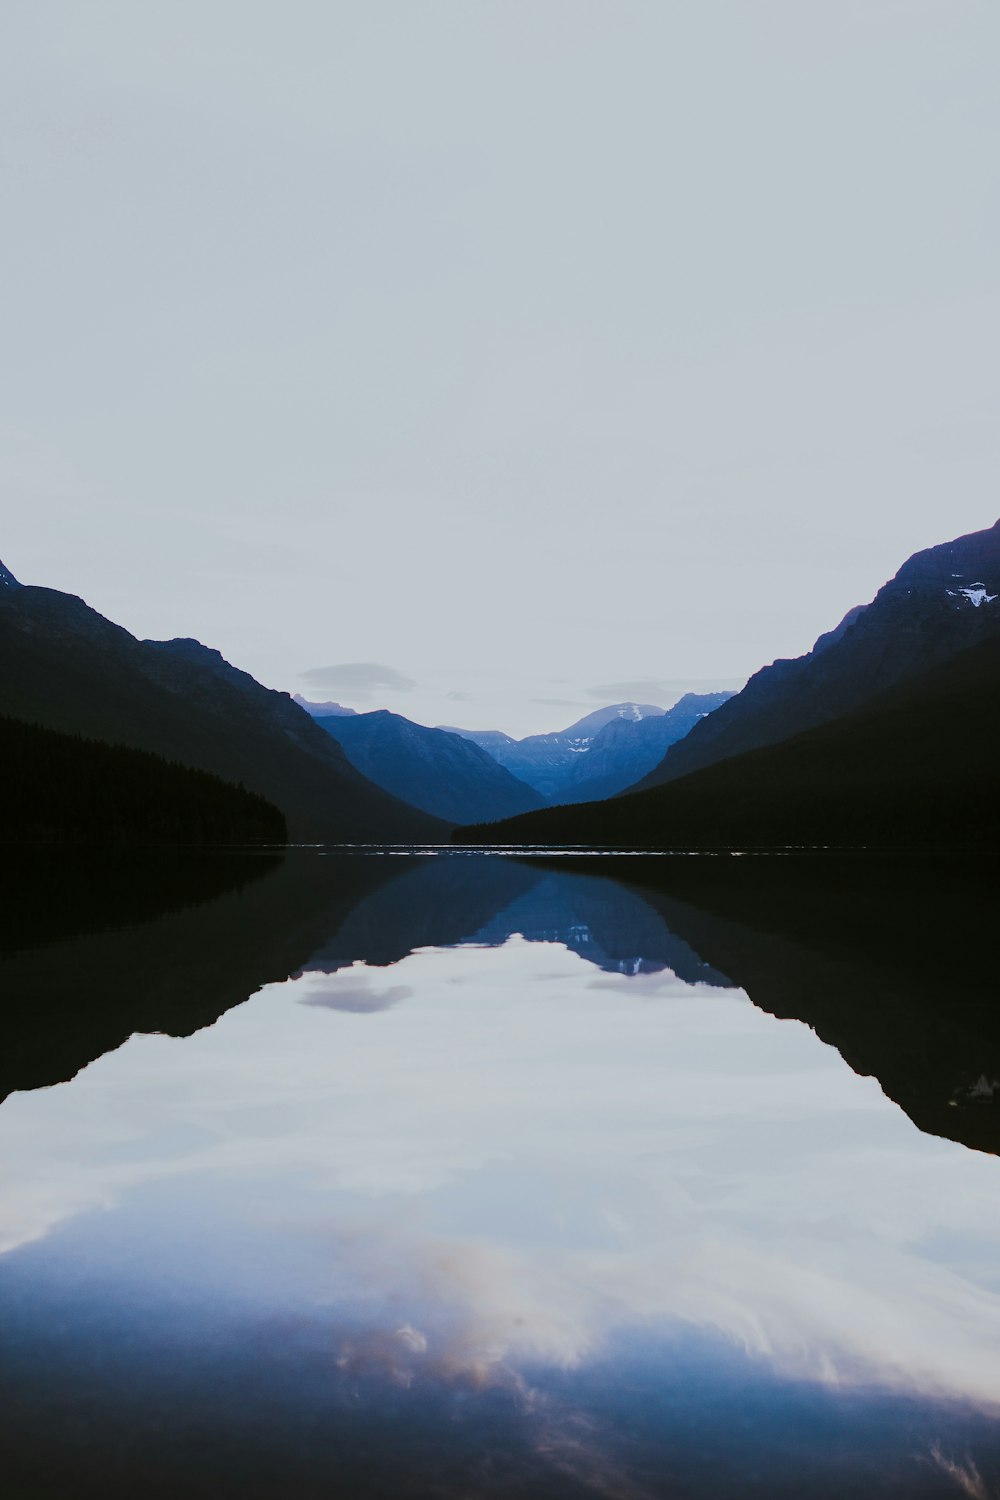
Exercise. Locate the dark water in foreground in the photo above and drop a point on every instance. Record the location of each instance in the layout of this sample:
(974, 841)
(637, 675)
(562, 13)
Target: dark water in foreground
(460, 1176)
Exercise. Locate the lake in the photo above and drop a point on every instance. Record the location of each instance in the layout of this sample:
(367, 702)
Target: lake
(382, 1173)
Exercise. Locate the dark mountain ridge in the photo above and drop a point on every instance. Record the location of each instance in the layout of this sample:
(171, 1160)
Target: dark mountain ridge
(918, 770)
(66, 667)
(941, 601)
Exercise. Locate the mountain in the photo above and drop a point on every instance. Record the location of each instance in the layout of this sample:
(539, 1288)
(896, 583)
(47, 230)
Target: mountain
(441, 773)
(66, 667)
(941, 601)
(493, 741)
(547, 762)
(626, 749)
(322, 710)
(59, 787)
(919, 769)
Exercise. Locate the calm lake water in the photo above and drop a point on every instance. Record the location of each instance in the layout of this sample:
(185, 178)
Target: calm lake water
(376, 1174)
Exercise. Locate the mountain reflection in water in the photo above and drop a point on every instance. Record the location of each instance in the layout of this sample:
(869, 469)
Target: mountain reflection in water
(488, 1179)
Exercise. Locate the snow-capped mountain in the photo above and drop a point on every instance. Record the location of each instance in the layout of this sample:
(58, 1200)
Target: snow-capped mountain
(626, 749)
(547, 761)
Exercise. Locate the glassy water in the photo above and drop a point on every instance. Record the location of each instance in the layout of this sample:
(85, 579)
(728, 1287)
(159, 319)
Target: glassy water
(473, 1176)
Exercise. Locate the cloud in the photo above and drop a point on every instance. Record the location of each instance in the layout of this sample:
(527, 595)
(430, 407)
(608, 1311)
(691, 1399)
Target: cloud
(357, 998)
(359, 679)
(660, 689)
(460, 697)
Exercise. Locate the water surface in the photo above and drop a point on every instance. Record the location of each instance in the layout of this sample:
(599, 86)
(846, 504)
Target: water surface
(460, 1177)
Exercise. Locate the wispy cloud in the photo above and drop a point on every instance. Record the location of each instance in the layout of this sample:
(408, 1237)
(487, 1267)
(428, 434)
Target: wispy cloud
(359, 679)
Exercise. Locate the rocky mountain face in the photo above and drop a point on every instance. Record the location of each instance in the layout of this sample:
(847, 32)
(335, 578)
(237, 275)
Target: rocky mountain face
(441, 773)
(547, 762)
(66, 667)
(941, 602)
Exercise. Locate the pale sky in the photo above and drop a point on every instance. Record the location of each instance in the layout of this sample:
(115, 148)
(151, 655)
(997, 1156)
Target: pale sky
(525, 355)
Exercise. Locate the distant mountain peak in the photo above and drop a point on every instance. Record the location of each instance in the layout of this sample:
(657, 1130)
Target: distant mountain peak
(591, 723)
(323, 710)
(7, 579)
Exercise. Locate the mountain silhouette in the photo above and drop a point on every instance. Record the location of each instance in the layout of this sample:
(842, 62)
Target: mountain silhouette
(65, 667)
(919, 770)
(908, 761)
(942, 601)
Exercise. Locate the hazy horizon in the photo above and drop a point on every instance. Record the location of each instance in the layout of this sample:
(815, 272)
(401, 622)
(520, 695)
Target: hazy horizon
(493, 363)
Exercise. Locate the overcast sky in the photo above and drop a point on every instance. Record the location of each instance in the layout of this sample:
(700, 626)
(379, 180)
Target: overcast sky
(514, 357)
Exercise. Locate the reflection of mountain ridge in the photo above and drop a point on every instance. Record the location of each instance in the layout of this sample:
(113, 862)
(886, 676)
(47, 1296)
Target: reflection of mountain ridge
(427, 902)
(438, 902)
(604, 922)
(891, 962)
(97, 950)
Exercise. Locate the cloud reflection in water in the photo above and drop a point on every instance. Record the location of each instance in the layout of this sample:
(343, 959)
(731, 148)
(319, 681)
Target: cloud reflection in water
(502, 1174)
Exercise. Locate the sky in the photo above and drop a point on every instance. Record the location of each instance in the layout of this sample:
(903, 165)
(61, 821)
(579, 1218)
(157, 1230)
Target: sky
(489, 361)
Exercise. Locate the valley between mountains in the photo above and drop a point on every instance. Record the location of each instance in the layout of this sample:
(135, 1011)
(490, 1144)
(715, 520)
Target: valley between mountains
(882, 736)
